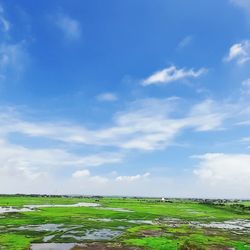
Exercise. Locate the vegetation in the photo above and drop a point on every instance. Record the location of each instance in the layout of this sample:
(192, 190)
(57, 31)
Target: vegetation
(144, 223)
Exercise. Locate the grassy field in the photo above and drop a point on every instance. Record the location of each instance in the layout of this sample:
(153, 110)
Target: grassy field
(121, 223)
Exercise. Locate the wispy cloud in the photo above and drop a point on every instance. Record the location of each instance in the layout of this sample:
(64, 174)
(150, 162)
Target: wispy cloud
(4, 23)
(13, 59)
(246, 83)
(146, 125)
(245, 86)
(107, 97)
(239, 52)
(13, 55)
(209, 115)
(30, 163)
(187, 40)
(244, 4)
(70, 27)
(172, 74)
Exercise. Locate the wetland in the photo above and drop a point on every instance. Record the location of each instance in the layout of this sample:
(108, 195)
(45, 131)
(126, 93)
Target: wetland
(105, 223)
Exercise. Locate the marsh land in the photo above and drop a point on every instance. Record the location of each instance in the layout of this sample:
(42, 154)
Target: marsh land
(106, 223)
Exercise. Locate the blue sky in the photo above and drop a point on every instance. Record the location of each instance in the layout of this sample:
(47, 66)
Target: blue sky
(125, 97)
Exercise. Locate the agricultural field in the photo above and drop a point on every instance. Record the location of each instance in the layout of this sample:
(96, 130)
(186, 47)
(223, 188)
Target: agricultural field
(64, 223)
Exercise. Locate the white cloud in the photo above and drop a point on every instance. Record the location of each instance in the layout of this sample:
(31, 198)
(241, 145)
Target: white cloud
(81, 173)
(107, 97)
(153, 127)
(178, 186)
(130, 178)
(224, 169)
(99, 179)
(172, 74)
(70, 27)
(84, 175)
(146, 125)
(209, 115)
(31, 163)
(239, 52)
(24, 169)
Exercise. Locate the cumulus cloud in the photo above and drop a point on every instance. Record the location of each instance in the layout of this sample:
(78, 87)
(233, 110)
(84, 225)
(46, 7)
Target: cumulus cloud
(70, 27)
(239, 52)
(107, 97)
(224, 169)
(172, 74)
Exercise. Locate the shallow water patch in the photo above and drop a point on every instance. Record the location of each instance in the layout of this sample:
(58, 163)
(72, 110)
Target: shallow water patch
(148, 222)
(30, 208)
(54, 246)
(42, 227)
(87, 246)
(117, 209)
(4, 210)
(101, 234)
(48, 238)
(231, 225)
(81, 204)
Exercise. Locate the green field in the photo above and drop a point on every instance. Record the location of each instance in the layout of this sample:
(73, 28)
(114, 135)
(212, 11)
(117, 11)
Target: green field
(124, 223)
